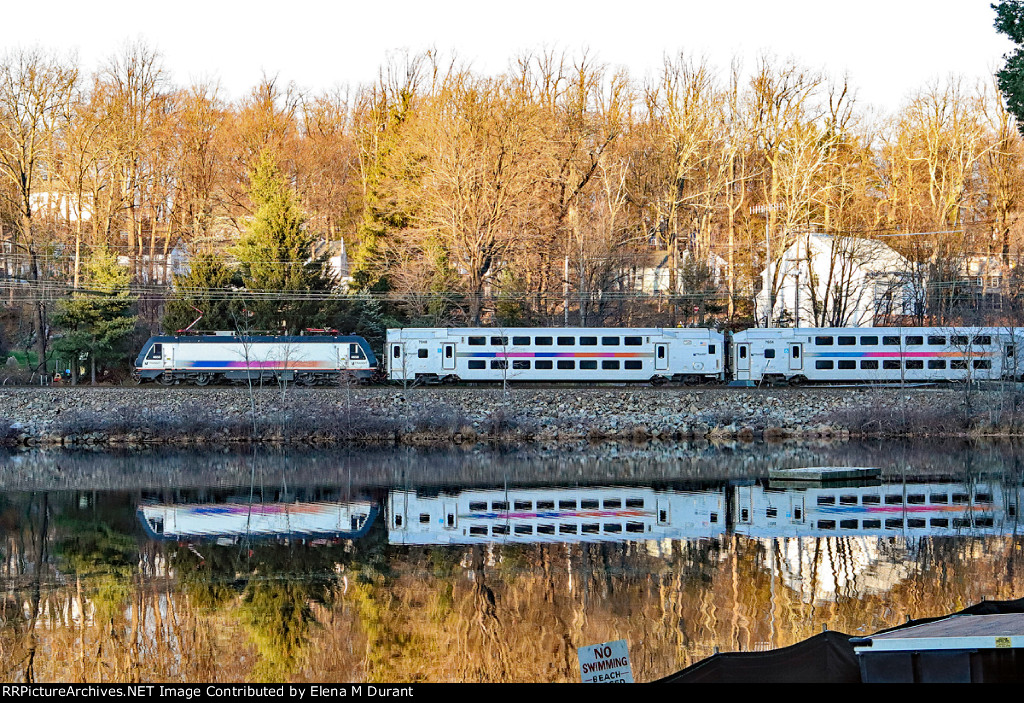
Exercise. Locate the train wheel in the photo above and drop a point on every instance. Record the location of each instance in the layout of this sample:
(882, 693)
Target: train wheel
(450, 380)
(203, 379)
(798, 380)
(166, 379)
(658, 381)
(691, 380)
(136, 378)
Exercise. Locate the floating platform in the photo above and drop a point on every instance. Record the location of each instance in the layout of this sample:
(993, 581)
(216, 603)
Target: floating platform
(825, 474)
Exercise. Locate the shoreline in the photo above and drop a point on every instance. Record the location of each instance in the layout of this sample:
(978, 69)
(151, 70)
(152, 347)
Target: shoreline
(439, 416)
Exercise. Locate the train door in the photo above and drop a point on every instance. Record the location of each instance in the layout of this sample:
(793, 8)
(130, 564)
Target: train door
(168, 356)
(796, 357)
(796, 508)
(448, 357)
(743, 357)
(1010, 360)
(660, 357)
(664, 511)
(450, 515)
(396, 361)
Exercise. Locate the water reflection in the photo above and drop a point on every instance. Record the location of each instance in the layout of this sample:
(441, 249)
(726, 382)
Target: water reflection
(497, 575)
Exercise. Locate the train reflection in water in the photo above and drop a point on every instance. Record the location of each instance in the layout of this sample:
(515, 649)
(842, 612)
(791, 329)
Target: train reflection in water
(594, 514)
(226, 522)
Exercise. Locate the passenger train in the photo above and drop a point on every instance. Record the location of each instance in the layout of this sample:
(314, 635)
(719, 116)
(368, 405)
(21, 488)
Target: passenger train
(762, 356)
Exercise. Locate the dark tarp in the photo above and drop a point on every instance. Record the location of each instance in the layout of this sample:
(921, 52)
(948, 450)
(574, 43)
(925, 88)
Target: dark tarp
(985, 607)
(825, 658)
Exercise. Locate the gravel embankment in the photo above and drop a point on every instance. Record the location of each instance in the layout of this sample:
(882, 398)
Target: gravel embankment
(445, 415)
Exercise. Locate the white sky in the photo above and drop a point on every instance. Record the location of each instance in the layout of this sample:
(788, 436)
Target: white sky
(889, 47)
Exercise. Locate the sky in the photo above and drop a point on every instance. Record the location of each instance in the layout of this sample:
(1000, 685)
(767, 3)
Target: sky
(889, 48)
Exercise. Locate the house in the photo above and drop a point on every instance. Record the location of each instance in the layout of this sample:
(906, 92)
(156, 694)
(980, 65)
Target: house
(652, 274)
(833, 281)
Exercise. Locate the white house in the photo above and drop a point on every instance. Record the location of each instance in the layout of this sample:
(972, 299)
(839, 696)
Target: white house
(654, 274)
(827, 281)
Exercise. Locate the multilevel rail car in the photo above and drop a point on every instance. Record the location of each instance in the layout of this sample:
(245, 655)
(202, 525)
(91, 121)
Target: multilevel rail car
(543, 354)
(204, 359)
(874, 354)
(555, 514)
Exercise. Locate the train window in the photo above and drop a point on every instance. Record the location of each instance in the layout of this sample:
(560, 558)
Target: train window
(542, 365)
(983, 522)
(796, 351)
(938, 498)
(632, 341)
(567, 529)
(713, 518)
(891, 341)
(894, 499)
(449, 351)
(711, 349)
(542, 341)
(524, 529)
(870, 500)
(588, 341)
(424, 518)
(521, 341)
(398, 520)
(891, 364)
(982, 364)
(613, 527)
(868, 341)
(545, 529)
(500, 364)
(961, 498)
(983, 498)
(894, 523)
(914, 340)
(566, 505)
(521, 364)
(499, 341)
(612, 503)
(566, 341)
(826, 500)
(939, 522)
(157, 352)
(421, 353)
(355, 352)
(634, 527)
(961, 522)
(982, 340)
(914, 364)
(476, 364)
(826, 524)
(848, 524)
(396, 351)
(959, 364)
(609, 341)
(523, 504)
(610, 364)
(769, 353)
(499, 505)
(915, 522)
(591, 528)
(588, 364)
(771, 512)
(847, 364)
(480, 530)
(589, 504)
(499, 530)
(634, 502)
(478, 505)
(937, 363)
(936, 341)
(545, 505)
(871, 524)
(743, 351)
(824, 341)
(476, 341)
(634, 365)
(869, 364)
(847, 341)
(824, 364)
(958, 340)
(661, 351)
(847, 500)
(915, 499)
(566, 364)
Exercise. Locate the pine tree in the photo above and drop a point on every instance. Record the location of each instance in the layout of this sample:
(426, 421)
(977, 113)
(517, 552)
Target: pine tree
(1010, 21)
(277, 257)
(98, 320)
(209, 287)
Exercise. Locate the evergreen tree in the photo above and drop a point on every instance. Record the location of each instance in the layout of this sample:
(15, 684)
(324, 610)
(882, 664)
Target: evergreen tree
(209, 286)
(97, 320)
(277, 258)
(1010, 21)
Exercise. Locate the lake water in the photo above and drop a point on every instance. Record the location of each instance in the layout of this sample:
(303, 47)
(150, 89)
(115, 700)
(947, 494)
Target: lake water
(477, 564)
